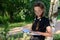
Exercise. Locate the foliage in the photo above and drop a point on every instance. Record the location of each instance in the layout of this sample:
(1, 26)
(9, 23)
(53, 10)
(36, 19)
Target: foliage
(19, 10)
(57, 37)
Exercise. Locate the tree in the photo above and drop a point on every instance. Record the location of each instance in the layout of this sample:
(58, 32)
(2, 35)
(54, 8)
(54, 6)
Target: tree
(53, 11)
(53, 15)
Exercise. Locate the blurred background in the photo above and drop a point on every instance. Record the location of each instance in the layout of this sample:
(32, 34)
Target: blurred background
(18, 13)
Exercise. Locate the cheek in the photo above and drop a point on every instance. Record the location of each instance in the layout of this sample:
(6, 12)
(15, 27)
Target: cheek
(40, 12)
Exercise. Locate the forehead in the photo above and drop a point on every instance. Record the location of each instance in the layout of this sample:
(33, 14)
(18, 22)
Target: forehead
(37, 8)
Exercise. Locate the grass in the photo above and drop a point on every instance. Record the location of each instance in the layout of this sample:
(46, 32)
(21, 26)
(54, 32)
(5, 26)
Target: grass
(20, 24)
(56, 37)
(16, 37)
(17, 24)
(13, 25)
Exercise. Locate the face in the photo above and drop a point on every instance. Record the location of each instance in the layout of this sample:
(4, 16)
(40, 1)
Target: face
(38, 11)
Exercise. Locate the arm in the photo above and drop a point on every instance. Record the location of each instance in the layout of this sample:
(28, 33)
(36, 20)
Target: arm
(48, 33)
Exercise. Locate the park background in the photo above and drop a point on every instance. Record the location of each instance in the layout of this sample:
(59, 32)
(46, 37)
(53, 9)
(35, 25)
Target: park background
(18, 13)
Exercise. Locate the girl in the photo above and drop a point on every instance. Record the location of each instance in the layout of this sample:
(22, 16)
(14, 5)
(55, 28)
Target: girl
(41, 24)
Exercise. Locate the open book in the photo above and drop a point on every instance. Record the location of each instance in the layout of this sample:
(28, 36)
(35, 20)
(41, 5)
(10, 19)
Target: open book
(25, 30)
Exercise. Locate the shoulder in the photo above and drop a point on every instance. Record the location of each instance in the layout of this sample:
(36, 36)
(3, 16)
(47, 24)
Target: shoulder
(45, 18)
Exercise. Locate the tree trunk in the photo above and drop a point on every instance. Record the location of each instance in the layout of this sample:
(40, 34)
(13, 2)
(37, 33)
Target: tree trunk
(53, 16)
(53, 12)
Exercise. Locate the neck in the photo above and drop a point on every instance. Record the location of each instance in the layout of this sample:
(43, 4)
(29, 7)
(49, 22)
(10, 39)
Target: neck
(38, 17)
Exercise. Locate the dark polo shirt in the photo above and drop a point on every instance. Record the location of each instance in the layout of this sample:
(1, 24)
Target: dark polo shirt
(43, 23)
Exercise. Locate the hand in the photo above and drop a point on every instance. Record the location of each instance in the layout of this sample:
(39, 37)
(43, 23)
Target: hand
(32, 31)
(35, 32)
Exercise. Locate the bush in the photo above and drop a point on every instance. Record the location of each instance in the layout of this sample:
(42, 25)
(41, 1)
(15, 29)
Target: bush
(57, 37)
(19, 17)
(1, 18)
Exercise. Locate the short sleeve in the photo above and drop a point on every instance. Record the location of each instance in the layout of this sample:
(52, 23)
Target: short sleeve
(47, 23)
